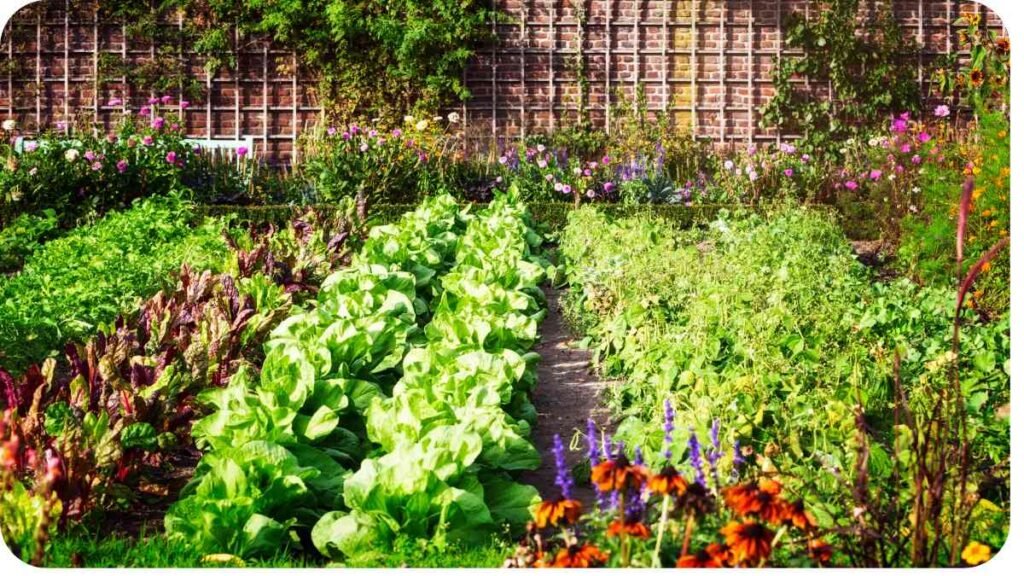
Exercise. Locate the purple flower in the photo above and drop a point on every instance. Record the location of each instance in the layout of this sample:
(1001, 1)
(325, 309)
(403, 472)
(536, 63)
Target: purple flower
(668, 427)
(695, 460)
(715, 454)
(122, 166)
(242, 151)
(593, 450)
(562, 478)
(638, 456)
(608, 187)
(172, 157)
(89, 155)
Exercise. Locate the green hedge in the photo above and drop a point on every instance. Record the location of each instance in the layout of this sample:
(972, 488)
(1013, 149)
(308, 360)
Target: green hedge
(551, 216)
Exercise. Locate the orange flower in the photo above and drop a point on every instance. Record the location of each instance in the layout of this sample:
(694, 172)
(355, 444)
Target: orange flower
(618, 474)
(1003, 45)
(757, 498)
(580, 556)
(634, 529)
(797, 516)
(749, 541)
(820, 551)
(977, 77)
(668, 482)
(558, 513)
(713, 556)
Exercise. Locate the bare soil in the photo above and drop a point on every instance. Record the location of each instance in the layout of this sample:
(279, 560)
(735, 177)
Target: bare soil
(568, 394)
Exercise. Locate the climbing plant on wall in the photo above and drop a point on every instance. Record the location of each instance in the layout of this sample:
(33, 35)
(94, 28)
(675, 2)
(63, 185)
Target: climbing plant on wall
(855, 50)
(377, 57)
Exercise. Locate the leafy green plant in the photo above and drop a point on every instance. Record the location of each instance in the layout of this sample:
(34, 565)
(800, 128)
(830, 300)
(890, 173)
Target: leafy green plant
(77, 284)
(23, 236)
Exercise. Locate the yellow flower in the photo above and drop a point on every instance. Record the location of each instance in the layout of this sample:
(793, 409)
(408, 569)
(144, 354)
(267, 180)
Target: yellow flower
(976, 553)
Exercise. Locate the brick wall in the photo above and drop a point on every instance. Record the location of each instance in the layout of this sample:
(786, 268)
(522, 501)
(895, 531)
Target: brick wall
(705, 63)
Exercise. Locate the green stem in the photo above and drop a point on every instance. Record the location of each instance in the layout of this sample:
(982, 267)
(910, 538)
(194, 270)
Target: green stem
(655, 558)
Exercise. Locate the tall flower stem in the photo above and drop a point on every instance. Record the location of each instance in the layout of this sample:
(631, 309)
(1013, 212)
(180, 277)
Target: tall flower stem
(656, 557)
(687, 533)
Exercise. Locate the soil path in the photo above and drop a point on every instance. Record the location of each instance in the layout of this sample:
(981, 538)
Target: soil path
(568, 393)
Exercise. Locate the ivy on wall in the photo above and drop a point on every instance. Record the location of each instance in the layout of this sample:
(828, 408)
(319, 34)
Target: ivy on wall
(856, 48)
(375, 57)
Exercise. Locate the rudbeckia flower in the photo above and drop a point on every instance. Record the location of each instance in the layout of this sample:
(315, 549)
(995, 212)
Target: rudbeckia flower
(713, 556)
(618, 474)
(558, 513)
(634, 529)
(749, 541)
(580, 556)
(667, 482)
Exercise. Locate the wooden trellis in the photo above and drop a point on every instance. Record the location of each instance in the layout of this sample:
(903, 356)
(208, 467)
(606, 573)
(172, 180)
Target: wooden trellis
(704, 63)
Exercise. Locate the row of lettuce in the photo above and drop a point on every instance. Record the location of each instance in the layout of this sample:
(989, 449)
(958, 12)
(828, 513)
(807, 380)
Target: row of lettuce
(148, 312)
(399, 405)
(767, 327)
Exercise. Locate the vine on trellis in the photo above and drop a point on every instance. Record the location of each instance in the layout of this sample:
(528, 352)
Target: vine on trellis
(866, 62)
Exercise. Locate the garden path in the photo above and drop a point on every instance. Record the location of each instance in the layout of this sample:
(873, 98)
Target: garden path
(568, 393)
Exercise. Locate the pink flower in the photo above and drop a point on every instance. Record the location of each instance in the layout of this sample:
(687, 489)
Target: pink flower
(566, 189)
(144, 112)
(172, 157)
(941, 111)
(111, 138)
(396, 133)
(788, 172)
(587, 172)
(805, 158)
(153, 101)
(114, 102)
(905, 149)
(542, 163)
(89, 155)
(242, 151)
(122, 166)
(364, 147)
(875, 174)
(157, 123)
(331, 130)
(147, 140)
(851, 185)
(165, 99)
(96, 166)
(175, 126)
(606, 160)
(31, 146)
(899, 125)
(549, 177)
(916, 159)
(608, 186)
(590, 193)
(503, 160)
(924, 136)
(184, 104)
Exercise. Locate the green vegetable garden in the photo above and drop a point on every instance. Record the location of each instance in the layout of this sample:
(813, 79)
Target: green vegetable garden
(794, 353)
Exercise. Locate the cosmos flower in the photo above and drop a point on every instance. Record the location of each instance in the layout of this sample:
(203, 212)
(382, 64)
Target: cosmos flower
(122, 166)
(172, 157)
(941, 111)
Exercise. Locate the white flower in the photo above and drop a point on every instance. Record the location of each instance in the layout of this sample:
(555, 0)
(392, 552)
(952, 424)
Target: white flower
(753, 176)
(892, 177)
(422, 125)
(729, 165)
(10, 124)
(873, 142)
(558, 187)
(453, 117)
(541, 148)
(409, 119)
(437, 118)
(71, 155)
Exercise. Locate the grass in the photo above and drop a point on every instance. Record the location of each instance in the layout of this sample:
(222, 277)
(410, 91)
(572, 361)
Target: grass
(156, 551)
